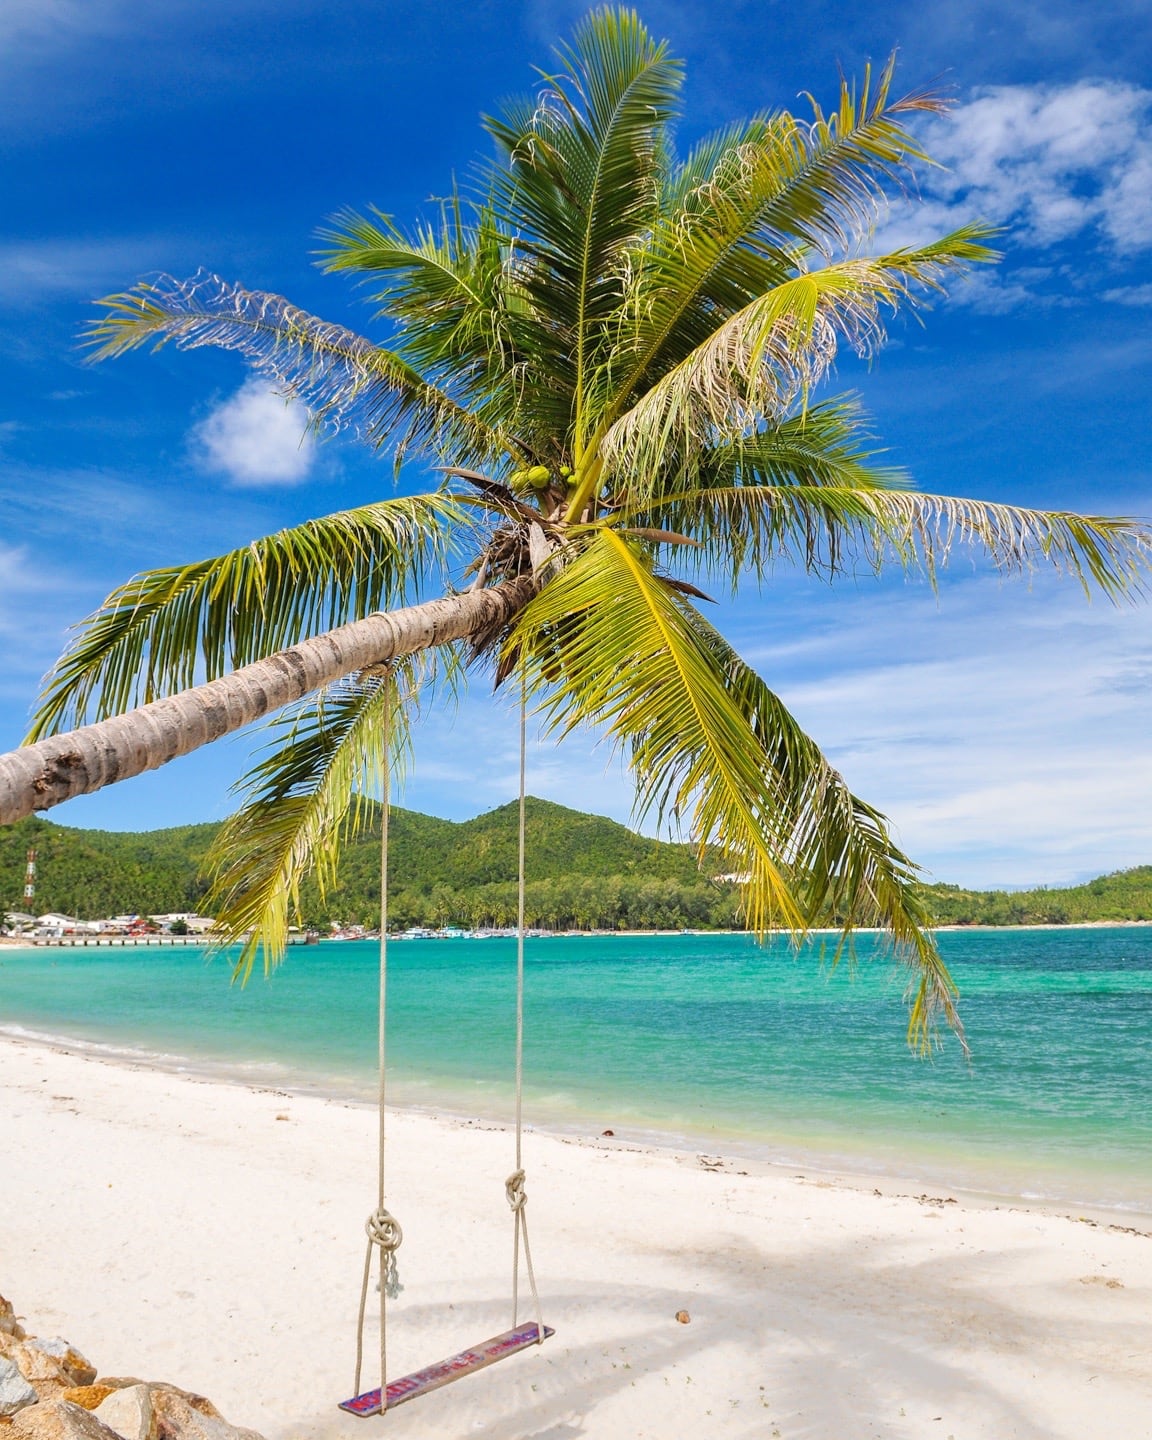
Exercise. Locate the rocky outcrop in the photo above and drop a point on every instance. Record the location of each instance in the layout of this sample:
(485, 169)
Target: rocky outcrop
(9, 1325)
(49, 1391)
(56, 1419)
(53, 1360)
(89, 1396)
(15, 1391)
(131, 1412)
(183, 1416)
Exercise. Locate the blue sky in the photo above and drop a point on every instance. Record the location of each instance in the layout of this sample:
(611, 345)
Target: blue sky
(1002, 726)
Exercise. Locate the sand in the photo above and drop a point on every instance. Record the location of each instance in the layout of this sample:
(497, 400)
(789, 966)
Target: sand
(211, 1234)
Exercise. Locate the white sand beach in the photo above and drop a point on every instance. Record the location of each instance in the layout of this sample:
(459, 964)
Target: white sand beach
(211, 1235)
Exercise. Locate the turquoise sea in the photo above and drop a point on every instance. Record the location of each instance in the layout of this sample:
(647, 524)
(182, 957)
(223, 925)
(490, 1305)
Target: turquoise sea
(705, 1041)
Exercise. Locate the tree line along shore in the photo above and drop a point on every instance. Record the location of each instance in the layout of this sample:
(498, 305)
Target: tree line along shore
(583, 872)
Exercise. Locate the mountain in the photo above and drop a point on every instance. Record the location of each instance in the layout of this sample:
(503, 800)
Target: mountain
(1124, 895)
(581, 870)
(558, 841)
(94, 873)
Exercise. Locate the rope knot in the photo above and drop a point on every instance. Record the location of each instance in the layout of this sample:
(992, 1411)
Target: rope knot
(514, 1190)
(383, 1229)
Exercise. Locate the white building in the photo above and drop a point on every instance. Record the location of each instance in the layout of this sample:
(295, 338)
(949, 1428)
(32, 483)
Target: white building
(197, 924)
(55, 925)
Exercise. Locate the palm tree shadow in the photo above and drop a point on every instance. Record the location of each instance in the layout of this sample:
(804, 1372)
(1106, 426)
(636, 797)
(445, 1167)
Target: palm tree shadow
(860, 1324)
(835, 1336)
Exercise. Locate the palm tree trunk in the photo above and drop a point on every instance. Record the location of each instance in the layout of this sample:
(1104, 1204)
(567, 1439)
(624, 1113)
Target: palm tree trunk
(39, 776)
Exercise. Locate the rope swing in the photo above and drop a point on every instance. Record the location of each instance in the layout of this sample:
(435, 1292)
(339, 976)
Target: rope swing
(514, 1185)
(382, 1228)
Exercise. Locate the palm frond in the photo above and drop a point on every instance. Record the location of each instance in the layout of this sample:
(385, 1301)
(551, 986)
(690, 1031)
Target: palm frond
(826, 528)
(303, 801)
(444, 289)
(580, 183)
(845, 868)
(167, 628)
(628, 86)
(749, 204)
(757, 364)
(624, 656)
(340, 377)
(611, 644)
(824, 448)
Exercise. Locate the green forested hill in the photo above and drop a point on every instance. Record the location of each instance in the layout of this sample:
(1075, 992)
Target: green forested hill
(483, 851)
(582, 870)
(1125, 895)
(103, 872)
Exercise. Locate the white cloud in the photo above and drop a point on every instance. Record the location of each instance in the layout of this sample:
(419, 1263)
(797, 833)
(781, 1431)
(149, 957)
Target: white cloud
(32, 30)
(15, 574)
(1003, 729)
(1048, 164)
(1051, 161)
(991, 292)
(34, 610)
(1130, 295)
(34, 271)
(28, 21)
(257, 438)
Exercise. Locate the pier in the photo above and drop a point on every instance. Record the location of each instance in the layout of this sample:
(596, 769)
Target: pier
(69, 942)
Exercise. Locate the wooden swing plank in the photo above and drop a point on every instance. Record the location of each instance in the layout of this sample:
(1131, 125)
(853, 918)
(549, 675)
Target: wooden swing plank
(467, 1362)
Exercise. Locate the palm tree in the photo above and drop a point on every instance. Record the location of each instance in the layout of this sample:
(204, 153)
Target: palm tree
(613, 355)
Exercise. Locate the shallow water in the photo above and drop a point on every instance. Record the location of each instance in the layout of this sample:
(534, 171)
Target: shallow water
(706, 1040)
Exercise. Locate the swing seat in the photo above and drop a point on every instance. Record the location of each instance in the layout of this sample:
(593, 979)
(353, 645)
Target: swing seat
(467, 1362)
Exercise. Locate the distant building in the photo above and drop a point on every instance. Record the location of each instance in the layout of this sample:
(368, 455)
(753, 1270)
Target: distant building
(54, 925)
(197, 924)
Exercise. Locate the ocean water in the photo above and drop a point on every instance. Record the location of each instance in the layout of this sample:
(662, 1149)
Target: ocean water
(705, 1041)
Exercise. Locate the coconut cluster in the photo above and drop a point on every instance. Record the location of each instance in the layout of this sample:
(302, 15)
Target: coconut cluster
(539, 477)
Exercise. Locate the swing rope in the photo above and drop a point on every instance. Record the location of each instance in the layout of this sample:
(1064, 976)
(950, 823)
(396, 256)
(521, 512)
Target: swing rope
(382, 1228)
(514, 1185)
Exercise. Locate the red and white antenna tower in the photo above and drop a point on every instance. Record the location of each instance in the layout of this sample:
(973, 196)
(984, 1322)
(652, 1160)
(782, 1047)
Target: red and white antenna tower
(30, 877)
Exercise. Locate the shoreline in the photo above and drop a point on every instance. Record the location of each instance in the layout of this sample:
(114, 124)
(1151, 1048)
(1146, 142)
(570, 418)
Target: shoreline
(212, 1234)
(11, 943)
(945, 1130)
(975, 1154)
(899, 1177)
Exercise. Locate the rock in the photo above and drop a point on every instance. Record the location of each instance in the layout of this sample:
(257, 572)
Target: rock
(15, 1391)
(33, 1363)
(172, 1394)
(53, 1359)
(47, 1392)
(58, 1420)
(683, 1317)
(129, 1412)
(9, 1325)
(182, 1415)
(89, 1396)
